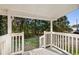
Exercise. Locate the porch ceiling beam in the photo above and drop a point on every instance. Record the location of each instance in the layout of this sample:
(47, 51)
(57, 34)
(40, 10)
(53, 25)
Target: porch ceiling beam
(18, 13)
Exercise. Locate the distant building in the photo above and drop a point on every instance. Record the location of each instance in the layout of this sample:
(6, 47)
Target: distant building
(75, 29)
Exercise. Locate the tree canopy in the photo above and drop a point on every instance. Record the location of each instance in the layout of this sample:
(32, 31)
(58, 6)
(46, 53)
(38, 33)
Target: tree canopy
(31, 27)
(61, 25)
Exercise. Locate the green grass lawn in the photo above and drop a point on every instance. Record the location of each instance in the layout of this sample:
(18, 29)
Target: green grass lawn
(31, 43)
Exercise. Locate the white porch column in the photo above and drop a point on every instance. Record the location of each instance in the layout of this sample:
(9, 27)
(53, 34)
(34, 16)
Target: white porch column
(51, 30)
(9, 29)
(9, 24)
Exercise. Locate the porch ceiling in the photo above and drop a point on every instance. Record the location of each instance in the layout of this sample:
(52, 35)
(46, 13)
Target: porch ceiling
(39, 11)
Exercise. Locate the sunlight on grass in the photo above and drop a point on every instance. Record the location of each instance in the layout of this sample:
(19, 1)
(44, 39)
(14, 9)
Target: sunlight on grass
(31, 43)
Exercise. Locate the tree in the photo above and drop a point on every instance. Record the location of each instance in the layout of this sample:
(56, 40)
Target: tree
(30, 27)
(61, 25)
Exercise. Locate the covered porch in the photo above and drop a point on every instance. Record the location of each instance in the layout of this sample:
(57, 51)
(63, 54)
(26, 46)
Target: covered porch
(49, 43)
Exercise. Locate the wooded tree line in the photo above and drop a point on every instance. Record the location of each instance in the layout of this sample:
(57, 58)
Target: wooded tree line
(34, 27)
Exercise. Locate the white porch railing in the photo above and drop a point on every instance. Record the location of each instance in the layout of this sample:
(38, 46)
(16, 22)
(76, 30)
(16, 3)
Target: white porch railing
(64, 41)
(17, 43)
(12, 43)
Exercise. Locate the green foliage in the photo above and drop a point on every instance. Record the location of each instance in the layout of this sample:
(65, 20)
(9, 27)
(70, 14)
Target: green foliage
(3, 25)
(30, 27)
(61, 25)
(34, 27)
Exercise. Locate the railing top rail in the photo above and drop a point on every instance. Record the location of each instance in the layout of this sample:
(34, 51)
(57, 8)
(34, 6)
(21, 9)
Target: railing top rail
(13, 34)
(17, 34)
(3, 35)
(42, 36)
(64, 34)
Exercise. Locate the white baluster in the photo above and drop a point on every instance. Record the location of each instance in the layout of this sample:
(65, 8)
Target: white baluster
(68, 44)
(63, 38)
(65, 43)
(76, 45)
(72, 45)
(51, 40)
(13, 44)
(16, 43)
(19, 43)
(56, 40)
(60, 41)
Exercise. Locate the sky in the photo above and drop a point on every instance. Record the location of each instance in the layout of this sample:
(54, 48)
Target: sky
(73, 16)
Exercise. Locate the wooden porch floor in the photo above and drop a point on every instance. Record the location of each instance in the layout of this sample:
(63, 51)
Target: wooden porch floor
(44, 51)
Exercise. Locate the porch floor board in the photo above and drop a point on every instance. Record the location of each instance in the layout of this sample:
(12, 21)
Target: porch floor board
(44, 51)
